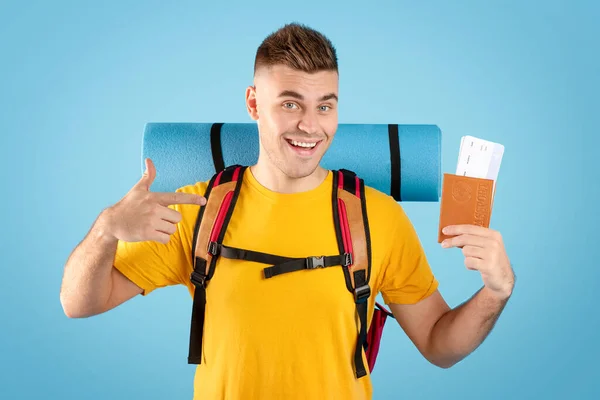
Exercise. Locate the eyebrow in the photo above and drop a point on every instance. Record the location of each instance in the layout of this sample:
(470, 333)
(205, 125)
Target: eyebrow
(291, 93)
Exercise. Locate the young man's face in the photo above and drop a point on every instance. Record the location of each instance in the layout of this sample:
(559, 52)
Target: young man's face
(297, 117)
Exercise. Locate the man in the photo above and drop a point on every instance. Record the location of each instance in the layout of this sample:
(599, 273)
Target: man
(268, 339)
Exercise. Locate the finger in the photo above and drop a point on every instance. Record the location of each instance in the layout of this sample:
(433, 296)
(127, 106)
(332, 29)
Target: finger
(465, 240)
(455, 230)
(167, 199)
(165, 227)
(160, 237)
(473, 251)
(473, 263)
(169, 215)
(149, 174)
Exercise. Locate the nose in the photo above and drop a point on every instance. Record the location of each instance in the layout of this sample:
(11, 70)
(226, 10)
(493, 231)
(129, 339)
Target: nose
(309, 122)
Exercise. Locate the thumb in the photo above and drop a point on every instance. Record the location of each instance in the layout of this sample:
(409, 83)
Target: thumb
(149, 174)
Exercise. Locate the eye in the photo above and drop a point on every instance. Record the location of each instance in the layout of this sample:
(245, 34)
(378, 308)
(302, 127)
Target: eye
(324, 108)
(289, 106)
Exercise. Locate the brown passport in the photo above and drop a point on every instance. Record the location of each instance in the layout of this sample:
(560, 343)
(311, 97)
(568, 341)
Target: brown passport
(465, 200)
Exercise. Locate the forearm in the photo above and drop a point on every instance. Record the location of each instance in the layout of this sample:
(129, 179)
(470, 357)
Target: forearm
(461, 330)
(87, 278)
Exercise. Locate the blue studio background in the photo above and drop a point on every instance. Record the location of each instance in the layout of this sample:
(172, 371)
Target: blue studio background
(78, 81)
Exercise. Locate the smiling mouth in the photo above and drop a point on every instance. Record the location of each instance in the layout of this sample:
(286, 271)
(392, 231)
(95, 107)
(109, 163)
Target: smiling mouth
(303, 148)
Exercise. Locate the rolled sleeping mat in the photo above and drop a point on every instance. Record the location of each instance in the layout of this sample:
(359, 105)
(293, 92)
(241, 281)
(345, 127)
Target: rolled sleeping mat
(403, 161)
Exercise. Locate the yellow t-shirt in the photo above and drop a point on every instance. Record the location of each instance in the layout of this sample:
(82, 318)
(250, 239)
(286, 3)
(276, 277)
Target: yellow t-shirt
(292, 336)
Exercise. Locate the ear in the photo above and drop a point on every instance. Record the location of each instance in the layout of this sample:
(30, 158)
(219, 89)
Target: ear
(251, 102)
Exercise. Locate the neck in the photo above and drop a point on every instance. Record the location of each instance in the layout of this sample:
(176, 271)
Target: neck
(275, 180)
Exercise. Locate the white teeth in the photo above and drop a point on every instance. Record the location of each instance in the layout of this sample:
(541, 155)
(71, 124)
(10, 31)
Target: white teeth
(300, 144)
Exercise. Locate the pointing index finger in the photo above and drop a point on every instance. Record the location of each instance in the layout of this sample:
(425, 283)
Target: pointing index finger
(167, 199)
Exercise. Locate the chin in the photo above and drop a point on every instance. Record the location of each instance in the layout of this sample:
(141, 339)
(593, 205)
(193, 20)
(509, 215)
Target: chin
(299, 171)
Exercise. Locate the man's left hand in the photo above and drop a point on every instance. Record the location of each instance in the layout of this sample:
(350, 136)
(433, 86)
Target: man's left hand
(484, 251)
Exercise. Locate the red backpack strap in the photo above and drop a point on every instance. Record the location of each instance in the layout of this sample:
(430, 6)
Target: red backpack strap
(221, 195)
(352, 230)
(380, 316)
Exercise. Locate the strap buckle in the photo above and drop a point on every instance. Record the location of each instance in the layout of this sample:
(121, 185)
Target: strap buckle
(315, 262)
(361, 294)
(198, 279)
(348, 260)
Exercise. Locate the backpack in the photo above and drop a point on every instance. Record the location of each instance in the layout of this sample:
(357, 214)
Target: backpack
(352, 231)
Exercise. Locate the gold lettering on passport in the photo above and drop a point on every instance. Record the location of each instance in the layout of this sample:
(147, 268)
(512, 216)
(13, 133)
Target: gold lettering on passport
(481, 198)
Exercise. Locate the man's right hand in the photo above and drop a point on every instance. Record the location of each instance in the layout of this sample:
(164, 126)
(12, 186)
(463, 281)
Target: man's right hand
(144, 215)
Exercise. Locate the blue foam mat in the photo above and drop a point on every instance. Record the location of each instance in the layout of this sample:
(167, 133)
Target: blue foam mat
(182, 154)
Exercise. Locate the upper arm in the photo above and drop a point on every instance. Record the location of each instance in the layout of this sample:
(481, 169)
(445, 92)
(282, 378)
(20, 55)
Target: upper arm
(418, 319)
(407, 282)
(122, 289)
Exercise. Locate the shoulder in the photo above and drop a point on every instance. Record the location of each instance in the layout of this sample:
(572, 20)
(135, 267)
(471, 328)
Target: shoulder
(198, 188)
(381, 206)
(389, 225)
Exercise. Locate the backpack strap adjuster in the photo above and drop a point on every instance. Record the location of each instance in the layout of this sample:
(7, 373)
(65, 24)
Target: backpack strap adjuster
(347, 260)
(213, 248)
(361, 294)
(198, 279)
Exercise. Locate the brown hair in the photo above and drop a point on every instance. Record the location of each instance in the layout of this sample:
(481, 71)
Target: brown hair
(299, 47)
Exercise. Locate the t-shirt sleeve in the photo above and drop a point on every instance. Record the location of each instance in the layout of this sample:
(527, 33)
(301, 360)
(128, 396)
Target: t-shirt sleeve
(407, 275)
(151, 265)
